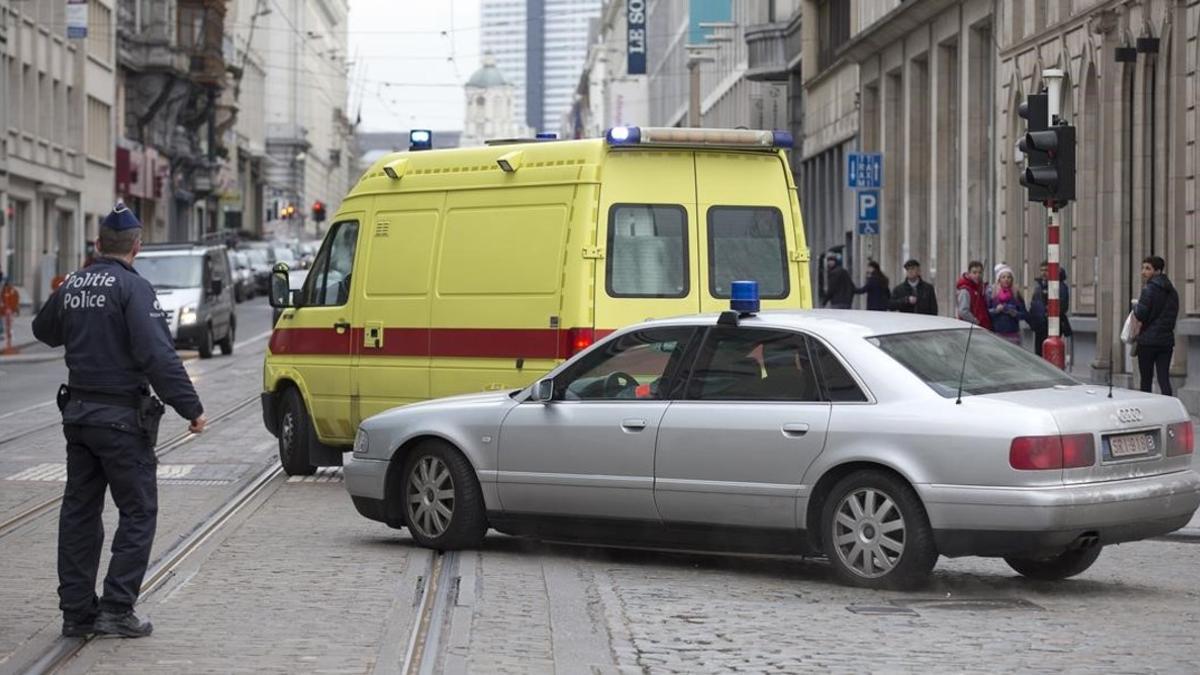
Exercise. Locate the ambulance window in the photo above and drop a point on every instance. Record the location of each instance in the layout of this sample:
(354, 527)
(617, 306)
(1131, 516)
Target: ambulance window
(328, 283)
(747, 242)
(647, 251)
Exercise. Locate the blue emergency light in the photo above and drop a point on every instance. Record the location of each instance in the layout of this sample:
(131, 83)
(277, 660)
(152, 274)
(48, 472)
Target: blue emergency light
(623, 136)
(420, 139)
(743, 297)
(546, 136)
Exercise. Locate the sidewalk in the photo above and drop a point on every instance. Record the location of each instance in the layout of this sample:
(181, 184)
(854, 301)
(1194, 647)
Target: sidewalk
(29, 350)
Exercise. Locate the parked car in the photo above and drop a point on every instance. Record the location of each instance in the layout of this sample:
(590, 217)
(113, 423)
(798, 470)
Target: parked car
(243, 275)
(194, 285)
(260, 265)
(880, 440)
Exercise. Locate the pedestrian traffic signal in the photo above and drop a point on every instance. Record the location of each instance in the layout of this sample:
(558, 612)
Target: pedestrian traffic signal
(318, 211)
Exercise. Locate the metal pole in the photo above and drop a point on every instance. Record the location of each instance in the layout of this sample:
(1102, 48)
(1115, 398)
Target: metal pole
(1052, 348)
(694, 93)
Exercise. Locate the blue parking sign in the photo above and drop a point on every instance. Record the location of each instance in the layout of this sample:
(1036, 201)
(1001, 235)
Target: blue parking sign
(867, 211)
(864, 170)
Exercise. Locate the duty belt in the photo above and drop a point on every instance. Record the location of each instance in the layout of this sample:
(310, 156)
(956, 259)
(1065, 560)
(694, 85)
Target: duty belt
(124, 400)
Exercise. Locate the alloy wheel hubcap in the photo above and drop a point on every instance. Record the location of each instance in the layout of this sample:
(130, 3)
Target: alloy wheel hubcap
(430, 497)
(868, 533)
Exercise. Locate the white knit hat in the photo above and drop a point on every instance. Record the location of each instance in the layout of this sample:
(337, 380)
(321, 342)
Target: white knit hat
(1001, 268)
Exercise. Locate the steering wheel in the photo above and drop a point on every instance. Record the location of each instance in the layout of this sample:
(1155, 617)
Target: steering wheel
(616, 382)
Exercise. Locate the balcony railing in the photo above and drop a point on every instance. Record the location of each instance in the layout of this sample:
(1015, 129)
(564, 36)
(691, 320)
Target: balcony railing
(767, 59)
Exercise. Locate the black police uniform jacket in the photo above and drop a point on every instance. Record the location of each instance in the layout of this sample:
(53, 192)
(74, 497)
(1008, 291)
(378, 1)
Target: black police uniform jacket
(117, 342)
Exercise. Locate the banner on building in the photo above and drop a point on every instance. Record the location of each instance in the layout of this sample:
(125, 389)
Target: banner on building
(77, 19)
(635, 17)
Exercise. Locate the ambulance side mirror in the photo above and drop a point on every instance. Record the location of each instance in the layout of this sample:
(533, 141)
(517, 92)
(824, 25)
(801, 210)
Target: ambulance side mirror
(280, 289)
(543, 391)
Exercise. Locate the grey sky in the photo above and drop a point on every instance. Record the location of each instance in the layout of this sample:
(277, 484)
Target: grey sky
(397, 45)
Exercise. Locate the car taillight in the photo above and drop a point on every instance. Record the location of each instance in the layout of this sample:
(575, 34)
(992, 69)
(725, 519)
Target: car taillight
(1181, 439)
(578, 339)
(1037, 453)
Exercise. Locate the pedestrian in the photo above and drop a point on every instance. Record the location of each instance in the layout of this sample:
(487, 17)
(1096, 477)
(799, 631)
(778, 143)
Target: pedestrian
(1039, 308)
(1006, 306)
(969, 297)
(117, 346)
(914, 294)
(1157, 309)
(839, 287)
(876, 287)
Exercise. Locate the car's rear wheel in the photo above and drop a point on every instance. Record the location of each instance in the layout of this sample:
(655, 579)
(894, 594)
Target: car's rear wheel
(206, 343)
(296, 436)
(1056, 567)
(443, 506)
(876, 534)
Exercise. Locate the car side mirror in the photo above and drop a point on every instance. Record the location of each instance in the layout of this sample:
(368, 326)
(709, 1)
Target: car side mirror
(543, 391)
(281, 295)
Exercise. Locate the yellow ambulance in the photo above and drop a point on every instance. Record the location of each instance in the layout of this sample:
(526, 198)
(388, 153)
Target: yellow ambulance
(452, 271)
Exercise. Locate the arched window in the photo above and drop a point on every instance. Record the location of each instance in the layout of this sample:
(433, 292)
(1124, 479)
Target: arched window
(1086, 226)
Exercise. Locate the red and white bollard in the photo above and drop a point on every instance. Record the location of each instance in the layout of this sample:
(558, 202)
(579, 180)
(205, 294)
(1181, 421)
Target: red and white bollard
(1053, 348)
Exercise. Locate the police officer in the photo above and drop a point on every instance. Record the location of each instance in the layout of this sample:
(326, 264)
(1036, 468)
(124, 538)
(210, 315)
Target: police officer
(117, 343)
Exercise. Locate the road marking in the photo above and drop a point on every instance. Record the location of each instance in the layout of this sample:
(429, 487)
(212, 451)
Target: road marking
(35, 406)
(53, 472)
(256, 338)
(324, 474)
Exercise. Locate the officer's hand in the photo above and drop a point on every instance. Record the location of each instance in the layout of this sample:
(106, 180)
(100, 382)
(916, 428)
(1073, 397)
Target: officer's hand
(198, 424)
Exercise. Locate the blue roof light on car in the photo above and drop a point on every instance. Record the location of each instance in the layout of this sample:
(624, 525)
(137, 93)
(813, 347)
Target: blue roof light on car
(420, 139)
(743, 297)
(623, 136)
(783, 139)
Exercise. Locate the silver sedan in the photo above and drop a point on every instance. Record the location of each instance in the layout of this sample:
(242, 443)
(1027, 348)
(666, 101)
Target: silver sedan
(879, 440)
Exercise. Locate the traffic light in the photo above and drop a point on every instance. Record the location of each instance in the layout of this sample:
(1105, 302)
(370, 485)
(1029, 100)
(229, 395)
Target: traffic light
(1049, 174)
(287, 211)
(318, 211)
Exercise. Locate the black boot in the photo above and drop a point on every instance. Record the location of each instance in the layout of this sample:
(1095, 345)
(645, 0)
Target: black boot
(126, 624)
(78, 629)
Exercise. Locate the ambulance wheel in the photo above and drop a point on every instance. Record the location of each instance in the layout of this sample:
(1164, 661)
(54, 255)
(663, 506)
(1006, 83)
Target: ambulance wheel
(206, 344)
(296, 435)
(443, 505)
(227, 343)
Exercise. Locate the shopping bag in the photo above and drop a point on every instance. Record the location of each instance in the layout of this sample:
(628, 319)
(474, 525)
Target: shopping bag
(1130, 330)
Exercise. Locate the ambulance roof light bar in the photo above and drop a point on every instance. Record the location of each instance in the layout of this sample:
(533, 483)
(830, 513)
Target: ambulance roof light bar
(745, 138)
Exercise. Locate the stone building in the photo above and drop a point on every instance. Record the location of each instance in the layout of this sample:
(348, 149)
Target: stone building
(934, 85)
(490, 106)
(56, 169)
(607, 94)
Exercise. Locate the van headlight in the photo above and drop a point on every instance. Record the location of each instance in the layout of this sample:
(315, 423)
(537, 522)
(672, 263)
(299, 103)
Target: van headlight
(187, 315)
(360, 442)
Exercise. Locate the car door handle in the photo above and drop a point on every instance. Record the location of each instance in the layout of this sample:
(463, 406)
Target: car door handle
(633, 424)
(795, 430)
(341, 326)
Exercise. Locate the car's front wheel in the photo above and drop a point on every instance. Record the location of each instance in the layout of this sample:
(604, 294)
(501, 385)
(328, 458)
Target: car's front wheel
(443, 506)
(1056, 567)
(876, 534)
(296, 435)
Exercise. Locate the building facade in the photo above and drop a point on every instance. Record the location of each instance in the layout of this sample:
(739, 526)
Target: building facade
(242, 123)
(58, 136)
(935, 84)
(540, 47)
(308, 134)
(607, 94)
(489, 106)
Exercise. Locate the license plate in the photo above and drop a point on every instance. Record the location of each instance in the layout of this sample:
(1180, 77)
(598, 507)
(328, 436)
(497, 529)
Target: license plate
(1131, 445)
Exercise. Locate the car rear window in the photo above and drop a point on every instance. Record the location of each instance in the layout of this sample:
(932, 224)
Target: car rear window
(747, 242)
(647, 251)
(991, 366)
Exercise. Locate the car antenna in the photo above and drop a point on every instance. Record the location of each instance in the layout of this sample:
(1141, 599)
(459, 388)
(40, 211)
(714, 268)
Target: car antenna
(963, 373)
(1110, 371)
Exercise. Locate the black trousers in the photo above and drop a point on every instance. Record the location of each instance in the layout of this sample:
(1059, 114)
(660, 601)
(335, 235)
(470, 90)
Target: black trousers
(1153, 360)
(97, 459)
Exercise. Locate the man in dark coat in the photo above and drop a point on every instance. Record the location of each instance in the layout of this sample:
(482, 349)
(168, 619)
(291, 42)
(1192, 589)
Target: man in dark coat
(1039, 305)
(876, 287)
(839, 287)
(914, 294)
(1157, 309)
(117, 346)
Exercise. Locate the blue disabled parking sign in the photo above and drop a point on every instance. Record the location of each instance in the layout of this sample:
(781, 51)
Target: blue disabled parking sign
(867, 211)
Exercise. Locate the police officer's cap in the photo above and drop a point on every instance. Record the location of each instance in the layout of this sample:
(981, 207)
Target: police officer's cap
(121, 218)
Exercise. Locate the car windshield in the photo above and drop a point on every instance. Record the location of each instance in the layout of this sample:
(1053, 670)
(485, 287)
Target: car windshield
(993, 365)
(170, 271)
(257, 256)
